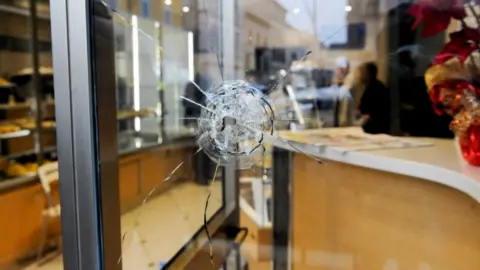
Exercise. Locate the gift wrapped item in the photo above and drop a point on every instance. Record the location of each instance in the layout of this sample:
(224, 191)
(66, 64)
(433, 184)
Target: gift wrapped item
(453, 79)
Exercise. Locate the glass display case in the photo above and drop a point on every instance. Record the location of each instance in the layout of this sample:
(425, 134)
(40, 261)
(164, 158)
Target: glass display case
(154, 63)
(138, 77)
(139, 65)
(27, 117)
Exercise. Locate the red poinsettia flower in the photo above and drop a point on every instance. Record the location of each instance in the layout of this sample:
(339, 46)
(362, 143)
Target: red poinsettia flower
(466, 34)
(436, 14)
(446, 97)
(461, 45)
(470, 145)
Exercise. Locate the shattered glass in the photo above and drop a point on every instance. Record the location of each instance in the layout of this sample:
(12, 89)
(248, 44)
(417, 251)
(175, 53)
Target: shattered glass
(235, 122)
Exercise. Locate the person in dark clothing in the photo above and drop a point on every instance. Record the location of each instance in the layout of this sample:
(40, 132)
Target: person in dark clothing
(203, 80)
(375, 102)
(419, 119)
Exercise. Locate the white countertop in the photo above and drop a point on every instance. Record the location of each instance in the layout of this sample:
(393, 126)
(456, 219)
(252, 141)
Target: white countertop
(440, 163)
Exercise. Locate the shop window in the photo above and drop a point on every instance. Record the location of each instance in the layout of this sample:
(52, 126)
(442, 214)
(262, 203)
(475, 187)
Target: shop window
(167, 15)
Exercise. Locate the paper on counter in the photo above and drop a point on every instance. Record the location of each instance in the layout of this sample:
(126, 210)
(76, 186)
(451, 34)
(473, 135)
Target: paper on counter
(356, 141)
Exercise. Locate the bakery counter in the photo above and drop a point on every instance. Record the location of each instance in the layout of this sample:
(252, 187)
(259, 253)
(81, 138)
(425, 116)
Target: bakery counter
(406, 203)
(142, 167)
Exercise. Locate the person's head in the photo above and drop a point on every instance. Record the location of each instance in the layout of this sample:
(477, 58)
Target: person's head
(371, 71)
(342, 66)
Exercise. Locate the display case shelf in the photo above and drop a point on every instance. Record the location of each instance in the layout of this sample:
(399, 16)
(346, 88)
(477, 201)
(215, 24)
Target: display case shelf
(30, 152)
(16, 106)
(16, 134)
(21, 11)
(23, 105)
(9, 183)
(132, 114)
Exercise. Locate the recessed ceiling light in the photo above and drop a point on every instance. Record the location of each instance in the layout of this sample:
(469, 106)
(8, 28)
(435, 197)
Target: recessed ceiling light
(185, 9)
(296, 10)
(168, 2)
(348, 8)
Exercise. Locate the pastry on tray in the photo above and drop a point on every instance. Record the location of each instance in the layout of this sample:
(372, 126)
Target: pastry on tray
(17, 169)
(31, 167)
(26, 123)
(8, 128)
(48, 124)
(5, 83)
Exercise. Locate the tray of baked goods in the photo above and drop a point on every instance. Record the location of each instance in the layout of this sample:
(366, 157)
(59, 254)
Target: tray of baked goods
(22, 127)
(10, 131)
(129, 114)
(29, 123)
(21, 167)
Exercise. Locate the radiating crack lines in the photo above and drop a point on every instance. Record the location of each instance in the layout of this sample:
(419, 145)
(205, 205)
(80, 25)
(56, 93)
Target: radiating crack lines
(235, 124)
(205, 214)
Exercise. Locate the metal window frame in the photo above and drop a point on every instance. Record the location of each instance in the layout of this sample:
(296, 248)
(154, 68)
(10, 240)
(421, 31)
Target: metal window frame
(87, 140)
(86, 136)
(282, 210)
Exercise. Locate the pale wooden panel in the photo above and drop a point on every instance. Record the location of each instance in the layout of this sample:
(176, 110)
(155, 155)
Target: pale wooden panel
(258, 244)
(347, 217)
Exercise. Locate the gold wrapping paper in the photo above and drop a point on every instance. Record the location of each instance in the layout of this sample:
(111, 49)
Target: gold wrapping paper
(450, 70)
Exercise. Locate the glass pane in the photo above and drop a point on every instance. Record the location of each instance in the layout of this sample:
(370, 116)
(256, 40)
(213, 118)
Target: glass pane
(354, 125)
(29, 196)
(380, 151)
(164, 180)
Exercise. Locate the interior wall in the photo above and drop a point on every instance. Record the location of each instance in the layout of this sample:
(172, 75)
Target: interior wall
(15, 29)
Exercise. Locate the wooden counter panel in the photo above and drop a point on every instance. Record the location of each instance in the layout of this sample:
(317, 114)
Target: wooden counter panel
(258, 244)
(21, 222)
(156, 166)
(173, 158)
(346, 217)
(129, 181)
(153, 171)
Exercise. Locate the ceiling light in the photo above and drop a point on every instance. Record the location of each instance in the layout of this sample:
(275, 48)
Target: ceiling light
(348, 8)
(185, 9)
(168, 2)
(296, 10)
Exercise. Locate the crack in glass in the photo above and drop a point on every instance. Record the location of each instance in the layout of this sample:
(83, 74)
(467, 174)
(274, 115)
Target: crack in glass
(235, 122)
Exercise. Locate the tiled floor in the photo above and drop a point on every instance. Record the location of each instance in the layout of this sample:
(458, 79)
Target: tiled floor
(166, 222)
